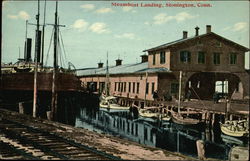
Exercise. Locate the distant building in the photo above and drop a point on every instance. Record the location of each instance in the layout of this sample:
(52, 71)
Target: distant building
(209, 63)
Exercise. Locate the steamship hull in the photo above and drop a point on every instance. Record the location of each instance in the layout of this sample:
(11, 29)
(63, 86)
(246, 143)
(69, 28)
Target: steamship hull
(25, 82)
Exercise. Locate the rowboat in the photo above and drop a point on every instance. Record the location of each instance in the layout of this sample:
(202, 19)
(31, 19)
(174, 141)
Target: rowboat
(109, 103)
(235, 128)
(181, 119)
(153, 113)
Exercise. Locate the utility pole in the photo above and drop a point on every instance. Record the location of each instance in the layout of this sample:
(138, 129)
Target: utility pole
(36, 64)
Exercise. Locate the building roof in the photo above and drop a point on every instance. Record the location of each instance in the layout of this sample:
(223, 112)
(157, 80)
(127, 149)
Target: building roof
(177, 42)
(121, 69)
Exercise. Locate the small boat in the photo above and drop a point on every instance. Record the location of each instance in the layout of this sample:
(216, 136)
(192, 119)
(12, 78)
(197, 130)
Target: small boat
(109, 103)
(148, 112)
(235, 128)
(181, 119)
(153, 113)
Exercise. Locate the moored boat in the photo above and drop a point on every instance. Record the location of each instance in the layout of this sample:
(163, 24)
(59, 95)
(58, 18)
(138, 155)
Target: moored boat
(110, 103)
(181, 119)
(235, 128)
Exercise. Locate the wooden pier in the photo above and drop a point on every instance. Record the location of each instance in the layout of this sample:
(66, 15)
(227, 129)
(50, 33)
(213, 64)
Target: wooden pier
(206, 110)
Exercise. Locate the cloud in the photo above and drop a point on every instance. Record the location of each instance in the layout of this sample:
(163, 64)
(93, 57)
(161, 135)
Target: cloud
(127, 36)
(164, 18)
(239, 26)
(128, 9)
(21, 15)
(88, 7)
(104, 10)
(183, 16)
(80, 24)
(99, 28)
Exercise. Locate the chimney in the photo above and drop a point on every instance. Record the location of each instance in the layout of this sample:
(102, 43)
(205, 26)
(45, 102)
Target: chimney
(185, 34)
(100, 65)
(118, 62)
(197, 31)
(144, 58)
(208, 28)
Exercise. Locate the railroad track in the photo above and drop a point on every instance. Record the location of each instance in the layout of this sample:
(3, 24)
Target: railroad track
(18, 141)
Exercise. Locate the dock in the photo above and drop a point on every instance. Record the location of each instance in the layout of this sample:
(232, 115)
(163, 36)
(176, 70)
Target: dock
(24, 138)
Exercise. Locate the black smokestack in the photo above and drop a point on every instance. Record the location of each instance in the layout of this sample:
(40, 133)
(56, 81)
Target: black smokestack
(27, 48)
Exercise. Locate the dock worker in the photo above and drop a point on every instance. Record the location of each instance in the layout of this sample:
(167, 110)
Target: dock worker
(155, 95)
(216, 97)
(188, 94)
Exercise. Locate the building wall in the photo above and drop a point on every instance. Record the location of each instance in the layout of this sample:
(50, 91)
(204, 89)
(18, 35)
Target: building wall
(209, 45)
(121, 80)
(157, 59)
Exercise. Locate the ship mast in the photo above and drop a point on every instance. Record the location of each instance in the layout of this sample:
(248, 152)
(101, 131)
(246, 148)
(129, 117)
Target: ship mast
(54, 94)
(179, 100)
(107, 78)
(44, 15)
(36, 66)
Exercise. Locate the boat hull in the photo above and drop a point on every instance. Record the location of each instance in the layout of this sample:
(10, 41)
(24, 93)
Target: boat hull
(25, 81)
(226, 130)
(178, 119)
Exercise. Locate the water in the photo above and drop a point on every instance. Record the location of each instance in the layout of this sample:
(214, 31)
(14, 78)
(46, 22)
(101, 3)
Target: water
(165, 135)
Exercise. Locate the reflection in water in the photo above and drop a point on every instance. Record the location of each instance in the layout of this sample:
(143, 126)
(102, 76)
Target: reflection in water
(165, 135)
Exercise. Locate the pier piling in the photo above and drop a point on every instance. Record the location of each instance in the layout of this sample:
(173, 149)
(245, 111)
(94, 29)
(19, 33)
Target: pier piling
(200, 149)
(21, 107)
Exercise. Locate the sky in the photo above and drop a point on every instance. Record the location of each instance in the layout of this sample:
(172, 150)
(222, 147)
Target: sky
(95, 28)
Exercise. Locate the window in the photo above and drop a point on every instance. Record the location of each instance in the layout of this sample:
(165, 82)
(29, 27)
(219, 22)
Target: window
(92, 86)
(154, 59)
(221, 86)
(129, 87)
(138, 87)
(201, 57)
(216, 58)
(121, 86)
(218, 44)
(147, 88)
(174, 88)
(199, 42)
(125, 86)
(185, 56)
(133, 87)
(153, 88)
(162, 57)
(101, 86)
(233, 58)
(115, 86)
